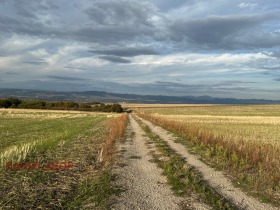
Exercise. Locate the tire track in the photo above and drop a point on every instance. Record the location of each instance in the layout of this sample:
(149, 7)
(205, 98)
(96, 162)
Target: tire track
(145, 187)
(216, 179)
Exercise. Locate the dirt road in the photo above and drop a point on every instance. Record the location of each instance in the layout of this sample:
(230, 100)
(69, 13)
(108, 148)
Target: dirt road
(216, 179)
(145, 187)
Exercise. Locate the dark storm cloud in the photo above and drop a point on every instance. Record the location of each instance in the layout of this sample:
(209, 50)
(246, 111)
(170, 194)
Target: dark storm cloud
(126, 52)
(113, 59)
(225, 32)
(66, 78)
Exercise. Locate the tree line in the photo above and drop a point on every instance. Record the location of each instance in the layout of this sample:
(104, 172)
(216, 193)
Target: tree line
(59, 105)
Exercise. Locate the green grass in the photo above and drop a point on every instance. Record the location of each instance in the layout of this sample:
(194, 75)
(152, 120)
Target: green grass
(22, 135)
(94, 193)
(58, 137)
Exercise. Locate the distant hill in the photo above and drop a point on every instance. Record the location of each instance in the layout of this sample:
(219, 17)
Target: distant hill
(89, 96)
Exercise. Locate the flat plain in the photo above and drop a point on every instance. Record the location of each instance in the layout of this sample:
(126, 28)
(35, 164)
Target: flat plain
(242, 140)
(56, 139)
(202, 157)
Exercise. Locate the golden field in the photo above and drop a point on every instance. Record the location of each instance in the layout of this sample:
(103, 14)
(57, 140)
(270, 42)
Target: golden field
(242, 140)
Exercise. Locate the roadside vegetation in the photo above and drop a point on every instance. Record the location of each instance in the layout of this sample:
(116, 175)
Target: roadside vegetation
(242, 140)
(183, 178)
(85, 141)
(59, 105)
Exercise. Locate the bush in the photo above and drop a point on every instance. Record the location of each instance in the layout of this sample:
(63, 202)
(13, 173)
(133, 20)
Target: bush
(10, 103)
(32, 104)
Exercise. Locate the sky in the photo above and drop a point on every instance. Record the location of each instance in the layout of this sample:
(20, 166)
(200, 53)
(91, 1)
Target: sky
(218, 48)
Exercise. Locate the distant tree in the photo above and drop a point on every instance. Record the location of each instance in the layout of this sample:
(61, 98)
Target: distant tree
(84, 106)
(70, 104)
(33, 104)
(5, 103)
(117, 108)
(14, 102)
(63, 105)
(10, 103)
(50, 105)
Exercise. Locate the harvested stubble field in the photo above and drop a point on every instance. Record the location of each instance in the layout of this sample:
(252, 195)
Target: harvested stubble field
(83, 139)
(243, 141)
(137, 106)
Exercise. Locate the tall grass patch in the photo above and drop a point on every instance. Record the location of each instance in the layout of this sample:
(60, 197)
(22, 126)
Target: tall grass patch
(248, 149)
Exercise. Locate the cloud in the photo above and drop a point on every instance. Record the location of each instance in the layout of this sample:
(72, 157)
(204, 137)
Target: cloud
(105, 35)
(66, 78)
(167, 5)
(275, 53)
(170, 47)
(228, 32)
(270, 67)
(21, 26)
(10, 73)
(77, 68)
(120, 12)
(35, 62)
(277, 79)
(114, 23)
(113, 59)
(107, 21)
(247, 5)
(126, 52)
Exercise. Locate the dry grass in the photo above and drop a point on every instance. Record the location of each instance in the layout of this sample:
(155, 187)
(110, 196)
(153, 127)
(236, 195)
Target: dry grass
(217, 110)
(47, 114)
(237, 128)
(86, 185)
(133, 106)
(248, 147)
(117, 128)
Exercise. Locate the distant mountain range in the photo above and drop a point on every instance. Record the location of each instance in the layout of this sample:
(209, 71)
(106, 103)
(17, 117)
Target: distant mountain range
(89, 96)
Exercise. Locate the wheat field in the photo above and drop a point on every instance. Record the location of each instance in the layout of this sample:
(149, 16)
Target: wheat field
(242, 140)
